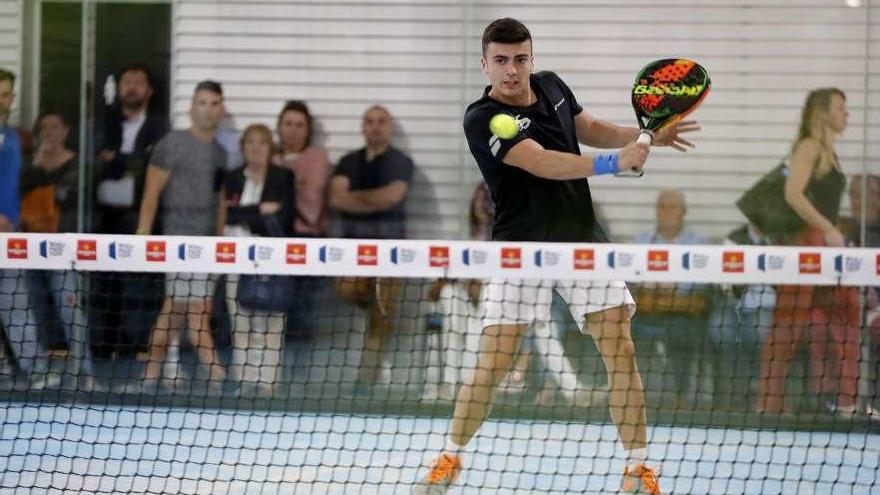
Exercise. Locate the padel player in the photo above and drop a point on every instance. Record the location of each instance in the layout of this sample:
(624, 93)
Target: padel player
(538, 180)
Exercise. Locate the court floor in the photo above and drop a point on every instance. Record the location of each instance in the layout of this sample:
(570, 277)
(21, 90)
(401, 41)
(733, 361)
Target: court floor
(57, 449)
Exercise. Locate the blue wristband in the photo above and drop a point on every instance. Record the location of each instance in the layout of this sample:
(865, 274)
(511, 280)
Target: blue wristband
(605, 163)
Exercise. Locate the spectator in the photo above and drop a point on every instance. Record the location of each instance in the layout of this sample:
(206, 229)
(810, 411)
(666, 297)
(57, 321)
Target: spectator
(867, 221)
(369, 188)
(456, 317)
(16, 314)
(131, 130)
(853, 227)
(124, 304)
(230, 139)
(257, 201)
(186, 170)
(311, 167)
(673, 315)
(827, 317)
(49, 190)
(740, 320)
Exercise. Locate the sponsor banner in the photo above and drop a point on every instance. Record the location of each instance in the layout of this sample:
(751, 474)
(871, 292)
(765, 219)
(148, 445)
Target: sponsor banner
(454, 259)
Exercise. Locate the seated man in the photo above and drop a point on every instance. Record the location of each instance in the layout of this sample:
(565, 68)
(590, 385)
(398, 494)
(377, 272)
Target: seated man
(369, 189)
(672, 315)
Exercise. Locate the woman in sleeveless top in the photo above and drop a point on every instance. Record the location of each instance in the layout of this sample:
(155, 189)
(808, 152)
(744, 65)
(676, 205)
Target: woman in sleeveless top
(825, 317)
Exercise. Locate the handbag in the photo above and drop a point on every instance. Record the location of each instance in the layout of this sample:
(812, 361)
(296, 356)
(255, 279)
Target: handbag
(273, 293)
(39, 212)
(764, 205)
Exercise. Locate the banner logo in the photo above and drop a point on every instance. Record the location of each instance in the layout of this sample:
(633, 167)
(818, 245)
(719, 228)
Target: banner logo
(511, 257)
(225, 252)
(658, 260)
(296, 254)
(155, 251)
(622, 259)
(330, 254)
(439, 256)
(189, 251)
(810, 263)
(696, 261)
(474, 257)
(584, 259)
(770, 262)
(546, 258)
(257, 252)
(51, 249)
(86, 250)
(847, 263)
(402, 255)
(17, 249)
(733, 262)
(119, 250)
(367, 255)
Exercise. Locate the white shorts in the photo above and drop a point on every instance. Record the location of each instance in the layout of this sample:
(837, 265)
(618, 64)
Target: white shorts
(524, 301)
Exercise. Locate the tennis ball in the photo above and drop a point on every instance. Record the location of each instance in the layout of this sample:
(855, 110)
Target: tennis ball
(503, 126)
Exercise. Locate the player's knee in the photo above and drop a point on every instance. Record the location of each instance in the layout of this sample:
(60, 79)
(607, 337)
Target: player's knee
(626, 348)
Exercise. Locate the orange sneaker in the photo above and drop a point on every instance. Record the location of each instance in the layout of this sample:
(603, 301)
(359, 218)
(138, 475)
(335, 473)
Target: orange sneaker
(640, 479)
(444, 472)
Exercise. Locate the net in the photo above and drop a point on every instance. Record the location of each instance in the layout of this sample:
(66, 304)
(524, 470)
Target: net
(255, 365)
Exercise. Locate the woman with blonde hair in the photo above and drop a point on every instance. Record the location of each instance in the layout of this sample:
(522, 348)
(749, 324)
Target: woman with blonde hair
(826, 317)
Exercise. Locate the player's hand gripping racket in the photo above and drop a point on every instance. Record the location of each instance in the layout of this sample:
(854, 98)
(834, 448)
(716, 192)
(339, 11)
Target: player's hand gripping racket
(664, 92)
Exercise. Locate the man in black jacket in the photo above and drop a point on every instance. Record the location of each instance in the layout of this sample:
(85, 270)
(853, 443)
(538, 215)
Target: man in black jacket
(125, 303)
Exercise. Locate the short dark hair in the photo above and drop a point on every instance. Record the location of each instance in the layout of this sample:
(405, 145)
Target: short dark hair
(301, 107)
(135, 68)
(7, 75)
(209, 85)
(505, 30)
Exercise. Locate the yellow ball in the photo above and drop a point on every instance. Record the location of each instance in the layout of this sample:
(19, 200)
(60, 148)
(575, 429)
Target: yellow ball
(504, 126)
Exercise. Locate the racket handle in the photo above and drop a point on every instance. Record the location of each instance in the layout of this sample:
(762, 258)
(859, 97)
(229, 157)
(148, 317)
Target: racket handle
(645, 137)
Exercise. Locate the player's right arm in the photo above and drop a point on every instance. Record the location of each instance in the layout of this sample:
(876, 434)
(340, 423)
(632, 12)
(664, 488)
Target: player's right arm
(557, 165)
(155, 182)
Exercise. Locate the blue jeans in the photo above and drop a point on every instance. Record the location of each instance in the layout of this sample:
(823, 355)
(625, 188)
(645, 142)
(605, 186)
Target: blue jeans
(19, 320)
(737, 334)
(62, 288)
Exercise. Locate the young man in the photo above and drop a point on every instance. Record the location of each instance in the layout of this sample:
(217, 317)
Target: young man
(539, 182)
(185, 171)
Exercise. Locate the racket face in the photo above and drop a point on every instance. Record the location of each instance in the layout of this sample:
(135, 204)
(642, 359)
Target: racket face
(666, 90)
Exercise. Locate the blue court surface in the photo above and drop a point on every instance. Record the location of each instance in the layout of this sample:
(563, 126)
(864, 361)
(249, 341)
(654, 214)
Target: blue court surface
(109, 449)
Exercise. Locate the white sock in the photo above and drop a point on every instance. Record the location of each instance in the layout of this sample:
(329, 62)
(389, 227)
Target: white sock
(453, 448)
(635, 457)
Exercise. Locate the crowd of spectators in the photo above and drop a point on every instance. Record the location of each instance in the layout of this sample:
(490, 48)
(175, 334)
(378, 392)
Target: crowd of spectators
(209, 179)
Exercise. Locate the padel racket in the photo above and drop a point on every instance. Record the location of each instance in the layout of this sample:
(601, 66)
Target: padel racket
(664, 92)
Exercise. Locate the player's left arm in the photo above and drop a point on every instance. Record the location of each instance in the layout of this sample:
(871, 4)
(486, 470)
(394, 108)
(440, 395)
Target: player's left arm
(598, 133)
